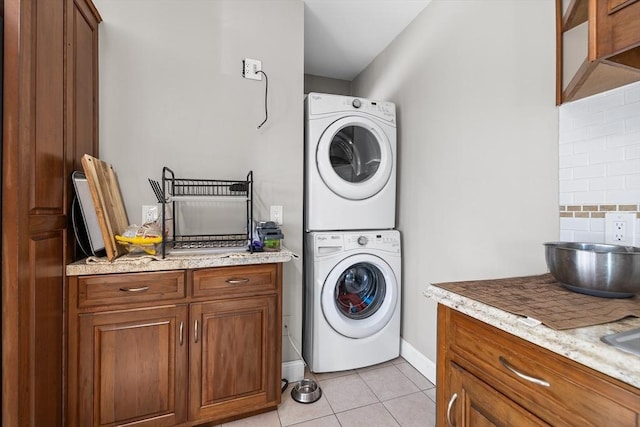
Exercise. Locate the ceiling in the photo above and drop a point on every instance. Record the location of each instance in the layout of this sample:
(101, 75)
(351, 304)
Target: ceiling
(341, 37)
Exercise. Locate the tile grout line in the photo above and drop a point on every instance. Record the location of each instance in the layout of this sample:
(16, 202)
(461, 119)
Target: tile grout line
(378, 398)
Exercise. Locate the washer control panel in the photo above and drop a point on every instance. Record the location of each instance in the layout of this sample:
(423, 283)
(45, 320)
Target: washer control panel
(384, 240)
(388, 240)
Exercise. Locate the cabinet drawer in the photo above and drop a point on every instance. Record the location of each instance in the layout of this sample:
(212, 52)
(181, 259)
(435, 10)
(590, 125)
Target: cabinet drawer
(231, 281)
(554, 388)
(131, 288)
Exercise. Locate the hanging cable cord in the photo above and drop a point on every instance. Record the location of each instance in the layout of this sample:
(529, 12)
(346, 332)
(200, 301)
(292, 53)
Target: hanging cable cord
(285, 382)
(266, 95)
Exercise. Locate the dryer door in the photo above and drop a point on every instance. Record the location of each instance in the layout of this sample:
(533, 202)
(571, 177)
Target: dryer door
(359, 296)
(354, 158)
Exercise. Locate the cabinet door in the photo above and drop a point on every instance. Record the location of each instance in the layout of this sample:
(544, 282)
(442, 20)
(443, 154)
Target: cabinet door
(133, 367)
(474, 403)
(617, 29)
(82, 101)
(34, 214)
(235, 359)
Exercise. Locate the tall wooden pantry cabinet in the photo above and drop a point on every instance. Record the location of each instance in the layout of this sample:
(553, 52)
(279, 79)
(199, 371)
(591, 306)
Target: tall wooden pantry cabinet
(50, 119)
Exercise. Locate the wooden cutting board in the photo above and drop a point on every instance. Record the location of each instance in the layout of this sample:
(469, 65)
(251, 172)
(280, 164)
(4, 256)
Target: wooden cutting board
(107, 198)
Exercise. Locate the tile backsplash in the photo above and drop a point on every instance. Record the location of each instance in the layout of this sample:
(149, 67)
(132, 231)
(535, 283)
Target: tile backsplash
(599, 164)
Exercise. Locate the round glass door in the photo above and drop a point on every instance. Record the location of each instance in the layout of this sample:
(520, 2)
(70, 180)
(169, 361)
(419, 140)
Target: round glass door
(359, 296)
(354, 154)
(354, 158)
(360, 291)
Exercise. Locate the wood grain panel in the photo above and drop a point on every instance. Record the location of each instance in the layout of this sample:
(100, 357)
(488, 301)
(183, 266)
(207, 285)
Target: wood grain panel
(225, 282)
(48, 163)
(84, 58)
(133, 368)
(47, 328)
(480, 405)
(227, 363)
(230, 336)
(615, 27)
(575, 394)
(36, 199)
(232, 362)
(103, 291)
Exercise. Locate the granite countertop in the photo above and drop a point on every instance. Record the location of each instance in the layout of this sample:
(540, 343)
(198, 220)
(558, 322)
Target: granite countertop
(139, 263)
(582, 345)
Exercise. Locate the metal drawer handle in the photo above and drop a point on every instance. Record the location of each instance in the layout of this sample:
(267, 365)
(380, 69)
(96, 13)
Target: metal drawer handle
(140, 289)
(181, 333)
(195, 331)
(237, 281)
(523, 376)
(449, 406)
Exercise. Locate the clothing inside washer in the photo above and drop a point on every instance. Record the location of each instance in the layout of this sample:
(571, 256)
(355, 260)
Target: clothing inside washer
(360, 291)
(355, 154)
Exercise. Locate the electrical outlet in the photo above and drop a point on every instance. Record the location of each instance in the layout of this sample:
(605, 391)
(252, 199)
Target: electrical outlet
(149, 213)
(276, 214)
(619, 228)
(285, 325)
(250, 68)
(619, 231)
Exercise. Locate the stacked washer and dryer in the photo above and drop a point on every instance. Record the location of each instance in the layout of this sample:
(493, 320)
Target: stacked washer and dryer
(352, 252)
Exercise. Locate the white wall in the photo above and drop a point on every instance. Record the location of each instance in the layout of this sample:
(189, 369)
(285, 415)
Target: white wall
(478, 145)
(326, 85)
(172, 94)
(599, 162)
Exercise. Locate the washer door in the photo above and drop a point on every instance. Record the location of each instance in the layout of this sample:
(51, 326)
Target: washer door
(359, 296)
(354, 158)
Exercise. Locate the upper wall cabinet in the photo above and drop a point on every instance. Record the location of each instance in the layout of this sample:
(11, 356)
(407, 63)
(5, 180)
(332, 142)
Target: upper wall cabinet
(598, 46)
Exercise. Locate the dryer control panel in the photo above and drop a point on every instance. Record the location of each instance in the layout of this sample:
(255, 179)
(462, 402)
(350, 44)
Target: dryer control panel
(321, 103)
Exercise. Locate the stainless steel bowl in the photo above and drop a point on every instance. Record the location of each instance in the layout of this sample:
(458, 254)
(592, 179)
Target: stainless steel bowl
(609, 271)
(306, 391)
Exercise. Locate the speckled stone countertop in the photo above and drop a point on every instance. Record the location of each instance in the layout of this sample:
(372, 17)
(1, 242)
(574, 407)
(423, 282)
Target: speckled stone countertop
(138, 263)
(582, 345)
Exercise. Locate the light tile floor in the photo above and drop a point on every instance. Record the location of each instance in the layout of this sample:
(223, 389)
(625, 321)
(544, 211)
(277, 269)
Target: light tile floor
(392, 394)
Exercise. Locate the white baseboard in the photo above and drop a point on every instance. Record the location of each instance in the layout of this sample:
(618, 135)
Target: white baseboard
(293, 371)
(419, 361)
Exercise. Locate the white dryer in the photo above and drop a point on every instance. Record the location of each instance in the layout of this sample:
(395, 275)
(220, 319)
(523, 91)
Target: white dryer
(352, 299)
(350, 163)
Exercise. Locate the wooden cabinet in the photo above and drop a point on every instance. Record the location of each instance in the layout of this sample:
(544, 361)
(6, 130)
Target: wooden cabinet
(82, 100)
(37, 158)
(174, 347)
(475, 403)
(598, 46)
(489, 377)
(234, 356)
(132, 367)
(617, 31)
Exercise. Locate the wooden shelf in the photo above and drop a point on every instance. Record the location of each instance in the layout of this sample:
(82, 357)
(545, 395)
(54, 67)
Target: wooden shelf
(576, 14)
(596, 77)
(598, 47)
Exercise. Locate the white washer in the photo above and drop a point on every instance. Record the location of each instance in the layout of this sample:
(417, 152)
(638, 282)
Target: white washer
(350, 163)
(352, 299)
